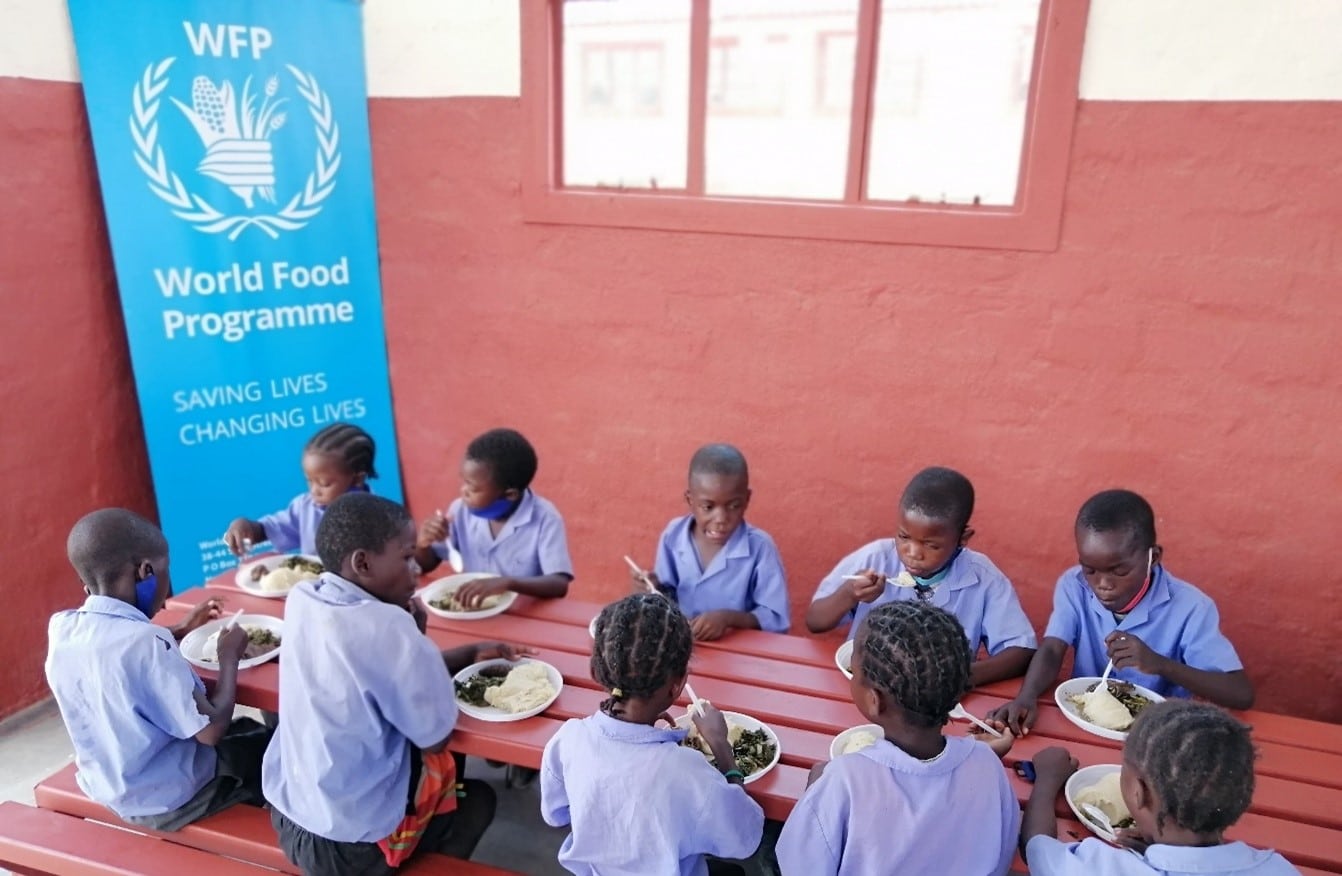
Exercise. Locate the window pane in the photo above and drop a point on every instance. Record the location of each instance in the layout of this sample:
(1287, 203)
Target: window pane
(780, 89)
(626, 82)
(952, 84)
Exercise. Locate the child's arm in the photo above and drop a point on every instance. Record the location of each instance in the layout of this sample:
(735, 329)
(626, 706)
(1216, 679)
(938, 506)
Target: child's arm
(431, 531)
(219, 707)
(242, 534)
(1007, 663)
(827, 612)
(541, 586)
(1021, 713)
(1233, 690)
(1052, 766)
(462, 656)
(713, 625)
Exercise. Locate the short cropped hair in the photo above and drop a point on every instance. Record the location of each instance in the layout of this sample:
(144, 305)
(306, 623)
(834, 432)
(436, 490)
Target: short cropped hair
(104, 542)
(358, 521)
(511, 458)
(1199, 761)
(918, 655)
(940, 494)
(719, 459)
(1119, 511)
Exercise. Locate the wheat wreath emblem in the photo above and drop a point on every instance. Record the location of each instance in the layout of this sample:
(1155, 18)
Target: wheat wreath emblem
(235, 132)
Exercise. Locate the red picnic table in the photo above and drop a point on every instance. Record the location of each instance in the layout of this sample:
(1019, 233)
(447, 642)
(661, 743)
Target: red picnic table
(793, 684)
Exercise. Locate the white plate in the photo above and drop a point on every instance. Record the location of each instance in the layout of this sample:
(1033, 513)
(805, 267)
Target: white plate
(591, 628)
(244, 576)
(489, 713)
(748, 723)
(1076, 686)
(1080, 781)
(193, 644)
(444, 586)
(836, 746)
(844, 657)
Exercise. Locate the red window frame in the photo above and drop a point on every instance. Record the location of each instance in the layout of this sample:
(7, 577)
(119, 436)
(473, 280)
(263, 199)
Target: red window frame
(1032, 223)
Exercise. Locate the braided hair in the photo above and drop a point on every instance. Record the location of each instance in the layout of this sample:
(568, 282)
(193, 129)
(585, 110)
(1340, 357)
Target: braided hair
(917, 655)
(1119, 511)
(940, 494)
(1198, 760)
(642, 642)
(353, 445)
(511, 458)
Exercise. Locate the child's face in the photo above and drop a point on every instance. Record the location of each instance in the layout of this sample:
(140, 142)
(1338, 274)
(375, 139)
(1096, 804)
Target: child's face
(328, 477)
(718, 503)
(478, 488)
(1134, 791)
(390, 574)
(1113, 564)
(925, 544)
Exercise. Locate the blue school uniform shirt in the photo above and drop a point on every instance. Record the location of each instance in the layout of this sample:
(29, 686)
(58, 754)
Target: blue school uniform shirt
(746, 575)
(640, 804)
(880, 810)
(295, 527)
(974, 590)
(1091, 857)
(531, 543)
(127, 696)
(358, 680)
(1174, 619)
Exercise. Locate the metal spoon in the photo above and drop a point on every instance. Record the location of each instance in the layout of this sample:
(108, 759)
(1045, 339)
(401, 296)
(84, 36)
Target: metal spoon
(959, 712)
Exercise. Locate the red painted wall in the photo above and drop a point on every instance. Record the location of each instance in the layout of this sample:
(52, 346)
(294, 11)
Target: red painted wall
(1182, 342)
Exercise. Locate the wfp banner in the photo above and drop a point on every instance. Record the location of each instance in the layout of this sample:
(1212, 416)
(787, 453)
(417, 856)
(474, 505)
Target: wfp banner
(232, 146)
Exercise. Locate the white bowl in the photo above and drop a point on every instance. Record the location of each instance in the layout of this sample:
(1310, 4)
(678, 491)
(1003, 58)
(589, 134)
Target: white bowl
(1080, 781)
(444, 586)
(1077, 686)
(843, 658)
(748, 723)
(193, 643)
(591, 628)
(499, 716)
(244, 576)
(836, 746)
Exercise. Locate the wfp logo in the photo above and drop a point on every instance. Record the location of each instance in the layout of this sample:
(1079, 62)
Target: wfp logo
(236, 128)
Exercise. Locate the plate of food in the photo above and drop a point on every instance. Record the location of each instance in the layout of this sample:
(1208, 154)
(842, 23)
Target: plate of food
(843, 658)
(754, 743)
(273, 577)
(441, 599)
(1098, 786)
(1106, 713)
(855, 739)
(502, 690)
(201, 646)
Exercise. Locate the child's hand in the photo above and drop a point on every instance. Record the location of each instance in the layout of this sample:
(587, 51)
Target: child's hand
(999, 744)
(198, 617)
(712, 726)
(1017, 716)
(506, 650)
(869, 589)
(710, 626)
(240, 536)
(472, 593)
(433, 530)
(232, 642)
(1129, 652)
(1052, 766)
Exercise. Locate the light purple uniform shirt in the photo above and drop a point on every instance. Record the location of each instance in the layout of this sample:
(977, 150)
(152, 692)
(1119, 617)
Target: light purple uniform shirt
(975, 591)
(357, 680)
(639, 804)
(1091, 857)
(295, 527)
(1174, 619)
(746, 575)
(127, 696)
(531, 542)
(880, 811)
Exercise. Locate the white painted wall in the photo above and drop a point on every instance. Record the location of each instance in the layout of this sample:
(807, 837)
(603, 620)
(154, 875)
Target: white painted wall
(1135, 49)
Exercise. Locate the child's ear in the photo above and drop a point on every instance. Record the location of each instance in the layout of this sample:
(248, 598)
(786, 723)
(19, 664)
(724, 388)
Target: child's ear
(143, 570)
(688, 501)
(1156, 553)
(358, 561)
(966, 535)
(512, 494)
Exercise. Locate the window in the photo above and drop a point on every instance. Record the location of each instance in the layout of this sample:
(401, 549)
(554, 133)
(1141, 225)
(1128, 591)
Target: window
(941, 122)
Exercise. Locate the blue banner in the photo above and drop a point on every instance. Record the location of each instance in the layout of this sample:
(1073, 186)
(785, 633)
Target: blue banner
(232, 145)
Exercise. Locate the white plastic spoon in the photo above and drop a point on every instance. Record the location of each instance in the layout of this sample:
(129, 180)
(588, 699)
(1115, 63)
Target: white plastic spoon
(1097, 815)
(453, 555)
(962, 714)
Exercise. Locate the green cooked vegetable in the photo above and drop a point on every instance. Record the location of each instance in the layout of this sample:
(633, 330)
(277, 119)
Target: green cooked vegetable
(753, 751)
(472, 690)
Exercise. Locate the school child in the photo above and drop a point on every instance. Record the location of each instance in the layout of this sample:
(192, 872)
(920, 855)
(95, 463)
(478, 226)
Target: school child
(915, 801)
(149, 743)
(637, 802)
(928, 560)
(1187, 777)
(723, 573)
(1120, 604)
(499, 525)
(336, 460)
(358, 777)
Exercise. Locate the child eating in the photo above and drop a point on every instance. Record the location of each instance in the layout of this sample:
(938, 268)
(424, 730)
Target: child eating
(1120, 604)
(149, 743)
(1187, 777)
(499, 525)
(358, 777)
(916, 801)
(723, 573)
(636, 800)
(927, 560)
(336, 460)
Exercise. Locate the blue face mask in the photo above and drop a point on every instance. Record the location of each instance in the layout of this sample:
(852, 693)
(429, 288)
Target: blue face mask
(496, 510)
(145, 591)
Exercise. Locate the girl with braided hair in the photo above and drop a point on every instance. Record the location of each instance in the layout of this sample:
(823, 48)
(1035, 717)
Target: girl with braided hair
(337, 460)
(1187, 777)
(916, 801)
(637, 801)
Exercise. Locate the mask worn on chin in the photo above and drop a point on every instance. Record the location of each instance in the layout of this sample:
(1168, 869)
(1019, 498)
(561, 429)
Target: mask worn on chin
(496, 510)
(145, 591)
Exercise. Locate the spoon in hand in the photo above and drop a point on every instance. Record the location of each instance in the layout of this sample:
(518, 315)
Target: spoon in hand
(962, 714)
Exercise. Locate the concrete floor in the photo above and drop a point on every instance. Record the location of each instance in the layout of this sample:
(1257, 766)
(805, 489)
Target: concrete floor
(34, 744)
